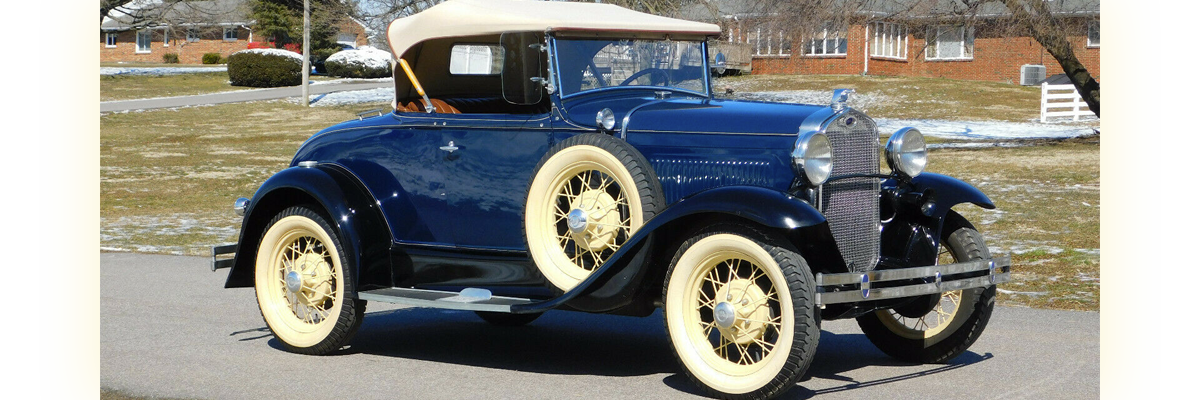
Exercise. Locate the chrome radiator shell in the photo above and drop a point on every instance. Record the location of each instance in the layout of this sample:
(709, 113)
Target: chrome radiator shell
(851, 205)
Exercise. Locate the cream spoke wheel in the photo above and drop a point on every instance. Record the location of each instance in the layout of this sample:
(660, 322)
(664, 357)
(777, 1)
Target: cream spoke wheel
(937, 328)
(584, 204)
(732, 316)
(300, 283)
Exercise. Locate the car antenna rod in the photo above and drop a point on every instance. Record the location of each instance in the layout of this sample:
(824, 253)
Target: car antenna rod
(413, 78)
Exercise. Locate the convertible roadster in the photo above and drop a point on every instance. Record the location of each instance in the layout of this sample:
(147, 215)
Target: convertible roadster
(572, 156)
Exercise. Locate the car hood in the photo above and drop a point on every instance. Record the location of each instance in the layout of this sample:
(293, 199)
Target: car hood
(696, 115)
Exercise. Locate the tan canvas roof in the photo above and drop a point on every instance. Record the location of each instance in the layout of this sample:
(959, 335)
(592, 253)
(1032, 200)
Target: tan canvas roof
(456, 18)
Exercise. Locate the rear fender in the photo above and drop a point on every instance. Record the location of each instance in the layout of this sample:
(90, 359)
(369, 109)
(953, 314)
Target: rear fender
(342, 199)
(615, 284)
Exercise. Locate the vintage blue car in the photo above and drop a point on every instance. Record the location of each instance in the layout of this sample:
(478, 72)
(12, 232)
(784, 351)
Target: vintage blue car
(572, 156)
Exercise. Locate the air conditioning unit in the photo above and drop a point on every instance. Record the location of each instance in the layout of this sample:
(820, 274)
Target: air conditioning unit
(1032, 75)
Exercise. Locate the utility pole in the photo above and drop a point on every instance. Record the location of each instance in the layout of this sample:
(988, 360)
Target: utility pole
(306, 67)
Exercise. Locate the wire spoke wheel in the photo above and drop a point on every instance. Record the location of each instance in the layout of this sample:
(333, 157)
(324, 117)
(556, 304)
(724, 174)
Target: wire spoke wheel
(590, 193)
(937, 328)
(738, 309)
(300, 284)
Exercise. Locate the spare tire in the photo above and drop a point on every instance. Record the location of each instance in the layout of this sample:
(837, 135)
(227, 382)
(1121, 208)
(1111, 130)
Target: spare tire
(590, 193)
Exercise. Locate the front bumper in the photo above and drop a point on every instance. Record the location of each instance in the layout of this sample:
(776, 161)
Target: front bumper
(851, 287)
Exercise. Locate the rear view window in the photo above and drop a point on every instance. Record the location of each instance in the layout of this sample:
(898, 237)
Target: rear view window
(476, 59)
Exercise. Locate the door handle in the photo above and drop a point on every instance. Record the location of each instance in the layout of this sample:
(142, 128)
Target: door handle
(449, 147)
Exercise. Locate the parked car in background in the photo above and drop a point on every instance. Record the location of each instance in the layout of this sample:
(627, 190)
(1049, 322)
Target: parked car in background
(571, 156)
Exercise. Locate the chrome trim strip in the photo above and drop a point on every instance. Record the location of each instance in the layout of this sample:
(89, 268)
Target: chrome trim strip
(931, 271)
(999, 271)
(851, 296)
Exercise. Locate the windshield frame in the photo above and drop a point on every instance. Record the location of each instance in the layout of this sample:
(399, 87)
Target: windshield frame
(554, 58)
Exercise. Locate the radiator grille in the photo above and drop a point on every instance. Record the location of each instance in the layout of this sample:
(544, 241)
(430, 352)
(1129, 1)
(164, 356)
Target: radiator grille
(852, 205)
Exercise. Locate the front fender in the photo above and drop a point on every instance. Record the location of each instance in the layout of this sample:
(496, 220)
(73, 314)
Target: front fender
(351, 209)
(614, 284)
(943, 192)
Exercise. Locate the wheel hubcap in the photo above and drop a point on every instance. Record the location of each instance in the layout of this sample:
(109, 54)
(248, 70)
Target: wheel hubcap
(293, 281)
(577, 220)
(724, 314)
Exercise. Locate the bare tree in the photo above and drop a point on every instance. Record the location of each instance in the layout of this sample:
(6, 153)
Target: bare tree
(1049, 30)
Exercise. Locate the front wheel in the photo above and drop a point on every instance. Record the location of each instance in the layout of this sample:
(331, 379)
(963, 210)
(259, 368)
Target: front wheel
(301, 286)
(935, 329)
(738, 307)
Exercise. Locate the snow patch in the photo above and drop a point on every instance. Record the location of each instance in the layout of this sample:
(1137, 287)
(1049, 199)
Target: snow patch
(984, 130)
(368, 57)
(291, 55)
(158, 71)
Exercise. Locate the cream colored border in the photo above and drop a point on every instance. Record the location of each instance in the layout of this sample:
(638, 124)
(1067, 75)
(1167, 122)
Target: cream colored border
(67, 203)
(1132, 218)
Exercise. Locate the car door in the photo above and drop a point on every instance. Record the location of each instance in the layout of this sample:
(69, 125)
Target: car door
(490, 166)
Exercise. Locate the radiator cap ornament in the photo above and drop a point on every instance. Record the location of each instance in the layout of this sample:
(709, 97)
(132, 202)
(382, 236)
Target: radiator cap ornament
(840, 98)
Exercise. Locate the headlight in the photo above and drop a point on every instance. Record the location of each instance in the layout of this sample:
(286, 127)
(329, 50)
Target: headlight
(906, 152)
(813, 157)
(605, 119)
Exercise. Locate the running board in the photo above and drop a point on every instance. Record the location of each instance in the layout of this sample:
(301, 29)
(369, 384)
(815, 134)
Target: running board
(470, 299)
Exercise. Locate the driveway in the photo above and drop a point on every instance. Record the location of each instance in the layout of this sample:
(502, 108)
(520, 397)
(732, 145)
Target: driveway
(168, 329)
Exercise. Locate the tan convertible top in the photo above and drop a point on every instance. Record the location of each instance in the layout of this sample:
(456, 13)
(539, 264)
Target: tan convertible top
(456, 18)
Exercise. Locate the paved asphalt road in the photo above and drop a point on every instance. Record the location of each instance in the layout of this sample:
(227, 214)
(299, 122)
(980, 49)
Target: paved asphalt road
(238, 96)
(168, 329)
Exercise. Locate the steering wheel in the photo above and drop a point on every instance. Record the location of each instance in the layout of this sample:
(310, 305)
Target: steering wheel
(666, 77)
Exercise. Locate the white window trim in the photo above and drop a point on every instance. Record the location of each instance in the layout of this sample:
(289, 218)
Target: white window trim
(962, 40)
(767, 47)
(1093, 24)
(225, 34)
(113, 36)
(896, 31)
(137, 45)
(166, 38)
(839, 35)
(192, 35)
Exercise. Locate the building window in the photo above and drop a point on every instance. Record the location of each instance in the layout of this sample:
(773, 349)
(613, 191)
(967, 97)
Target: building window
(947, 42)
(166, 38)
(830, 40)
(767, 42)
(143, 41)
(110, 40)
(1093, 34)
(192, 35)
(230, 34)
(889, 40)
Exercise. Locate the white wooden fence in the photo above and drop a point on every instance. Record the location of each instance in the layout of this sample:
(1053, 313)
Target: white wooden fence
(1065, 101)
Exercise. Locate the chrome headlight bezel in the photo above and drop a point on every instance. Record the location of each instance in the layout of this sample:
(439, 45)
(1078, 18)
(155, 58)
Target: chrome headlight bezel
(906, 153)
(605, 119)
(812, 158)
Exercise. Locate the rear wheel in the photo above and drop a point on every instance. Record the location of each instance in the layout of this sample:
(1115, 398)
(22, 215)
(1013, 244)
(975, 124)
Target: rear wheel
(936, 329)
(739, 311)
(301, 286)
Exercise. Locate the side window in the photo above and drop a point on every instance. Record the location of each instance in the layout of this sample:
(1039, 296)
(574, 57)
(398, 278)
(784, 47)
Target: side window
(476, 59)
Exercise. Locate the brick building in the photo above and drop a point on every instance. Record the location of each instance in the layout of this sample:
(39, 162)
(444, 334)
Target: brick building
(190, 30)
(902, 38)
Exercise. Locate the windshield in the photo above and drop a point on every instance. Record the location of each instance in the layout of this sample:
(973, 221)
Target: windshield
(588, 64)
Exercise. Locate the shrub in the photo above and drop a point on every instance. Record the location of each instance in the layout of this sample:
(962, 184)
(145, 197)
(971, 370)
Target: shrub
(367, 62)
(211, 58)
(264, 68)
(319, 56)
(171, 58)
